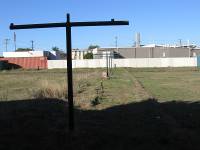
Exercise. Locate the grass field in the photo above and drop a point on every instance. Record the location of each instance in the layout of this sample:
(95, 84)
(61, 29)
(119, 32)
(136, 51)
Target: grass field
(138, 109)
(135, 84)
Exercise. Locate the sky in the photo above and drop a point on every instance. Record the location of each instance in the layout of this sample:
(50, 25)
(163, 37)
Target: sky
(158, 21)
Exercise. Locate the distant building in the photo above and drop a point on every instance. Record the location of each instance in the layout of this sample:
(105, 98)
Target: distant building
(195, 52)
(29, 59)
(51, 55)
(144, 52)
(79, 54)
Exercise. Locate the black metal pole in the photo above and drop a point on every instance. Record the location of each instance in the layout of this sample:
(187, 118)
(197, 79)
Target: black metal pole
(111, 57)
(107, 63)
(69, 74)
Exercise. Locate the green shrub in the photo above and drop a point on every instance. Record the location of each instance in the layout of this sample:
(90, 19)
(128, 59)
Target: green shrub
(96, 101)
(88, 56)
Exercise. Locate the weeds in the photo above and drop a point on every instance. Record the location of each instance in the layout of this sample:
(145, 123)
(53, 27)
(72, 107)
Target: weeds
(96, 101)
(4, 96)
(51, 90)
(99, 95)
(82, 86)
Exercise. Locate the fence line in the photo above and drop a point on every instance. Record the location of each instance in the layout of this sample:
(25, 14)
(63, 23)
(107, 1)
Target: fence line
(133, 63)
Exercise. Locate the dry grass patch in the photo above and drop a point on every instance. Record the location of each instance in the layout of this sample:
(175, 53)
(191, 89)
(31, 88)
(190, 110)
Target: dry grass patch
(51, 89)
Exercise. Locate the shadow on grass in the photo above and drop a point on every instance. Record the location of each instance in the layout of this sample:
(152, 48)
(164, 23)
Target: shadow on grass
(42, 124)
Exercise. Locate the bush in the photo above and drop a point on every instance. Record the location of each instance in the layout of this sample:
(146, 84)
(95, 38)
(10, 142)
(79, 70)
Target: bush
(88, 56)
(96, 101)
(99, 98)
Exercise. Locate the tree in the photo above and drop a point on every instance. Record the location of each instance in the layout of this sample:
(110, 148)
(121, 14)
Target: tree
(23, 49)
(93, 47)
(55, 48)
(62, 54)
(88, 56)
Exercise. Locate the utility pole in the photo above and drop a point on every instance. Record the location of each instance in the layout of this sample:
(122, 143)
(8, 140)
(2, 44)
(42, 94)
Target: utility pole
(180, 42)
(32, 45)
(68, 25)
(6, 44)
(15, 40)
(116, 41)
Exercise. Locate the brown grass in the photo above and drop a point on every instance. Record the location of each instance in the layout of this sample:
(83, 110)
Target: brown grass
(51, 89)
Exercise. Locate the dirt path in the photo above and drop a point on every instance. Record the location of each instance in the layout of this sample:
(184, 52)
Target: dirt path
(139, 89)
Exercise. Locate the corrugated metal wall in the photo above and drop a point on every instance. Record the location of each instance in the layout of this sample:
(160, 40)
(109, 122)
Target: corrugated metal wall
(28, 62)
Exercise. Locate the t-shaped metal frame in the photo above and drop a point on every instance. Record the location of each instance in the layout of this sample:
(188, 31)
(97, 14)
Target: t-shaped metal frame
(68, 25)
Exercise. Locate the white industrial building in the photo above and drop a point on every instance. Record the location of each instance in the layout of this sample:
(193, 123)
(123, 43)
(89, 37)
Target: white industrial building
(79, 54)
(51, 55)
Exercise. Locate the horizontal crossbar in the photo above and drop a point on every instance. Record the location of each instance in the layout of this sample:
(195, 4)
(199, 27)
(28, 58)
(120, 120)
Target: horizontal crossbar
(99, 23)
(72, 24)
(37, 26)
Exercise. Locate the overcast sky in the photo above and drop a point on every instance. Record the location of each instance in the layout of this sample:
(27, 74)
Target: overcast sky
(158, 21)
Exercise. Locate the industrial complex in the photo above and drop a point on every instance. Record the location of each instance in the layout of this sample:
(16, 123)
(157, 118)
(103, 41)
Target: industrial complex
(148, 51)
(38, 59)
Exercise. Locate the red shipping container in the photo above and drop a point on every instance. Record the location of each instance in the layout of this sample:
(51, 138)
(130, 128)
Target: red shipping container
(28, 62)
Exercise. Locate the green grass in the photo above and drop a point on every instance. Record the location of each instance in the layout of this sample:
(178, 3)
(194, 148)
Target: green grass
(123, 120)
(171, 84)
(21, 85)
(125, 86)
